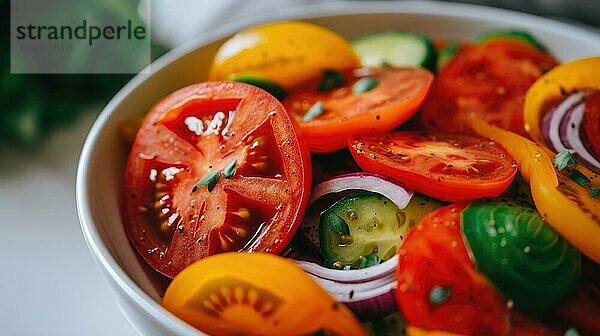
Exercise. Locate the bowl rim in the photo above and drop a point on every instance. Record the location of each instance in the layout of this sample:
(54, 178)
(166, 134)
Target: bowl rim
(99, 250)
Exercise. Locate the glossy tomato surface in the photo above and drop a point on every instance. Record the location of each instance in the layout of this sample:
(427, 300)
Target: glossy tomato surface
(448, 167)
(591, 122)
(438, 285)
(489, 80)
(256, 294)
(398, 94)
(215, 167)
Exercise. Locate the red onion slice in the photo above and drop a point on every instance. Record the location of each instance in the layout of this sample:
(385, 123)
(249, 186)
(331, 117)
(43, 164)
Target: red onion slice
(342, 185)
(552, 120)
(562, 129)
(572, 138)
(366, 291)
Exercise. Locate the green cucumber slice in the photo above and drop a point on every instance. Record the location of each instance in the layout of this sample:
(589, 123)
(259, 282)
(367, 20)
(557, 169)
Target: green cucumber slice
(360, 225)
(395, 48)
(511, 34)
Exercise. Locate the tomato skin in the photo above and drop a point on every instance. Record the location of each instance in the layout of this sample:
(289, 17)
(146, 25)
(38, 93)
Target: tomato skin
(419, 160)
(434, 254)
(255, 294)
(398, 95)
(287, 53)
(591, 122)
(489, 80)
(258, 209)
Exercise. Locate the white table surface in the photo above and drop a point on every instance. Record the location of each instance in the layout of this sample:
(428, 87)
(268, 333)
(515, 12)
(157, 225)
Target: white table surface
(49, 283)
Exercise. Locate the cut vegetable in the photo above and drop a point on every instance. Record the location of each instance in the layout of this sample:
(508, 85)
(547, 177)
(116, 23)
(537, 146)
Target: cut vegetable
(367, 292)
(524, 258)
(562, 129)
(334, 189)
(396, 48)
(358, 226)
(511, 35)
(268, 85)
(255, 294)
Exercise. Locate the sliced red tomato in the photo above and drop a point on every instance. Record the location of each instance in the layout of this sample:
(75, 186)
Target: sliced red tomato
(448, 167)
(245, 140)
(438, 285)
(489, 80)
(398, 94)
(591, 122)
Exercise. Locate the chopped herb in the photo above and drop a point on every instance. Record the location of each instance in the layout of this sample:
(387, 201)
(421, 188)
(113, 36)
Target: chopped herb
(364, 84)
(564, 159)
(314, 111)
(209, 179)
(571, 332)
(386, 64)
(579, 178)
(594, 191)
(331, 79)
(338, 225)
(439, 294)
(229, 170)
(368, 261)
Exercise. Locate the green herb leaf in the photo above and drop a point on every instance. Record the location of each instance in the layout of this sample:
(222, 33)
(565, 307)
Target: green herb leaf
(571, 332)
(229, 170)
(594, 191)
(209, 179)
(563, 160)
(338, 225)
(368, 261)
(439, 294)
(579, 178)
(314, 111)
(364, 84)
(331, 79)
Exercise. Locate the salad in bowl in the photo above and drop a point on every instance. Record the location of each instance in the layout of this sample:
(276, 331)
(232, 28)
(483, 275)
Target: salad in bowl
(387, 184)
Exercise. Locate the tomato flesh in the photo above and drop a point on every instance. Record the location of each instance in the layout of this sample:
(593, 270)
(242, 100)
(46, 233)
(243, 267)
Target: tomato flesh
(397, 96)
(433, 259)
(200, 130)
(448, 167)
(591, 122)
(489, 80)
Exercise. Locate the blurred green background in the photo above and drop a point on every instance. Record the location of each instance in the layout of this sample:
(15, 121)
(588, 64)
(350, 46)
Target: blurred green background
(35, 105)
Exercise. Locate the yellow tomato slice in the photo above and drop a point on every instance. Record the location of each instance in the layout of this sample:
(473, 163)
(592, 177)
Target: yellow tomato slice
(255, 294)
(288, 53)
(579, 74)
(568, 207)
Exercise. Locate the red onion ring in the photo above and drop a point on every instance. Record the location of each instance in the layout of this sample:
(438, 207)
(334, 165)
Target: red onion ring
(561, 128)
(368, 291)
(340, 186)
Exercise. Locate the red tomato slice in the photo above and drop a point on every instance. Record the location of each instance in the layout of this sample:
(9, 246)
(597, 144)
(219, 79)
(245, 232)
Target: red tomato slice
(448, 167)
(489, 80)
(206, 128)
(438, 285)
(591, 122)
(397, 96)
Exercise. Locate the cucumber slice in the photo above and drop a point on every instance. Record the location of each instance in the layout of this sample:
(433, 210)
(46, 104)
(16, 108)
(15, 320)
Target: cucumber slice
(511, 34)
(360, 225)
(266, 84)
(396, 48)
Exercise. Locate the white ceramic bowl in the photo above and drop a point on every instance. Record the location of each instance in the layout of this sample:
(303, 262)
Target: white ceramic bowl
(103, 159)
